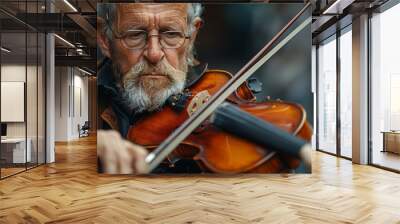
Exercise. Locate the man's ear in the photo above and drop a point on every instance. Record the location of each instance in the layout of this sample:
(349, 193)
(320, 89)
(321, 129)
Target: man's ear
(197, 24)
(102, 39)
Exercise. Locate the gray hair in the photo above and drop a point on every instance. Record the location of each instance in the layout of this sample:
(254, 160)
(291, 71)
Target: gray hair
(107, 11)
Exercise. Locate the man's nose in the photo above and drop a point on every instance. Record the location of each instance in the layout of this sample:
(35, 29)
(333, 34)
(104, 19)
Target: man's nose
(153, 52)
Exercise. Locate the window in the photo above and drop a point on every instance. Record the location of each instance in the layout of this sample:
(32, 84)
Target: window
(346, 93)
(385, 88)
(22, 75)
(327, 96)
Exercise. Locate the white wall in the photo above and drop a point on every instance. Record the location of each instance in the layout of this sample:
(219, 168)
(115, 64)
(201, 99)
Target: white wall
(13, 73)
(71, 94)
(80, 109)
(61, 103)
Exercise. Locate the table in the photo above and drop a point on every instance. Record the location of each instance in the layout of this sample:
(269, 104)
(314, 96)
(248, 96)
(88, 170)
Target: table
(13, 150)
(391, 141)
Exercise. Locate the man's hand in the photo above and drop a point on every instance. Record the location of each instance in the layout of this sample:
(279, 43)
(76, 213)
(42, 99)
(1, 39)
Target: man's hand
(119, 156)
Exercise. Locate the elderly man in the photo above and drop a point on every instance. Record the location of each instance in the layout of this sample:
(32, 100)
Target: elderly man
(150, 52)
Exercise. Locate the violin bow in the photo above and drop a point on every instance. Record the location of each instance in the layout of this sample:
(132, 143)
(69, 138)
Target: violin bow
(154, 158)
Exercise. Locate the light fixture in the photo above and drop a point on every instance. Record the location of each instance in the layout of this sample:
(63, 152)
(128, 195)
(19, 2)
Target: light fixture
(332, 8)
(337, 7)
(65, 41)
(5, 50)
(70, 5)
(78, 43)
(80, 51)
(84, 71)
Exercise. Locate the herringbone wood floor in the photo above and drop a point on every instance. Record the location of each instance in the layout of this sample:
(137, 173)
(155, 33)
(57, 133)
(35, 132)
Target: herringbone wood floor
(70, 191)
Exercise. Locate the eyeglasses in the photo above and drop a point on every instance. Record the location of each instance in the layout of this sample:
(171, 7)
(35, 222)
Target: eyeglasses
(137, 39)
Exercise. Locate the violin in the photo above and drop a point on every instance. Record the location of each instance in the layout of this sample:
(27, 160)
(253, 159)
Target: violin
(224, 129)
(216, 150)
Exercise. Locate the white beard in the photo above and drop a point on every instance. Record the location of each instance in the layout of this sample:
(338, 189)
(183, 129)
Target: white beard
(139, 96)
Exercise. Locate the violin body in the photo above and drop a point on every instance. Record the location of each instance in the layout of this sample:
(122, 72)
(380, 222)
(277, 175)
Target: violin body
(216, 150)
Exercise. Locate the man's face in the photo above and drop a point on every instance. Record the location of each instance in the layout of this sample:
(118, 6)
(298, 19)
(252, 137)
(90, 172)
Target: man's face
(152, 18)
(154, 72)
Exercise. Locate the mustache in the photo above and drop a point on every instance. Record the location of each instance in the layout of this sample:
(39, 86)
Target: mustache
(143, 68)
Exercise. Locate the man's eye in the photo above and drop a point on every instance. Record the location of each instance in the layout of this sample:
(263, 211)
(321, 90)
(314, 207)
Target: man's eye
(172, 34)
(135, 34)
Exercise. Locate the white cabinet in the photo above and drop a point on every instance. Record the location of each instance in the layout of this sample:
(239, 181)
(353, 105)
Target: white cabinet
(15, 148)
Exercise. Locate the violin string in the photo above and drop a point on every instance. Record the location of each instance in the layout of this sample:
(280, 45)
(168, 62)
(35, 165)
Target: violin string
(168, 145)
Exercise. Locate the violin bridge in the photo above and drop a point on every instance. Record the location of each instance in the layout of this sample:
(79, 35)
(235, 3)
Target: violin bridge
(197, 101)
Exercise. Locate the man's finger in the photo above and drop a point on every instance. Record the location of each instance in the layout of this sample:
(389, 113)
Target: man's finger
(108, 144)
(139, 154)
(125, 160)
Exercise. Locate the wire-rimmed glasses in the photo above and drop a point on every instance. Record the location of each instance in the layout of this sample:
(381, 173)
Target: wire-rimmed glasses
(137, 39)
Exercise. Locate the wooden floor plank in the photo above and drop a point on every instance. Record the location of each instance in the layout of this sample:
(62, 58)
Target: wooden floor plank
(71, 191)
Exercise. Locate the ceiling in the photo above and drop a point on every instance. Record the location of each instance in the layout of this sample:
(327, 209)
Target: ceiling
(72, 20)
(75, 22)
